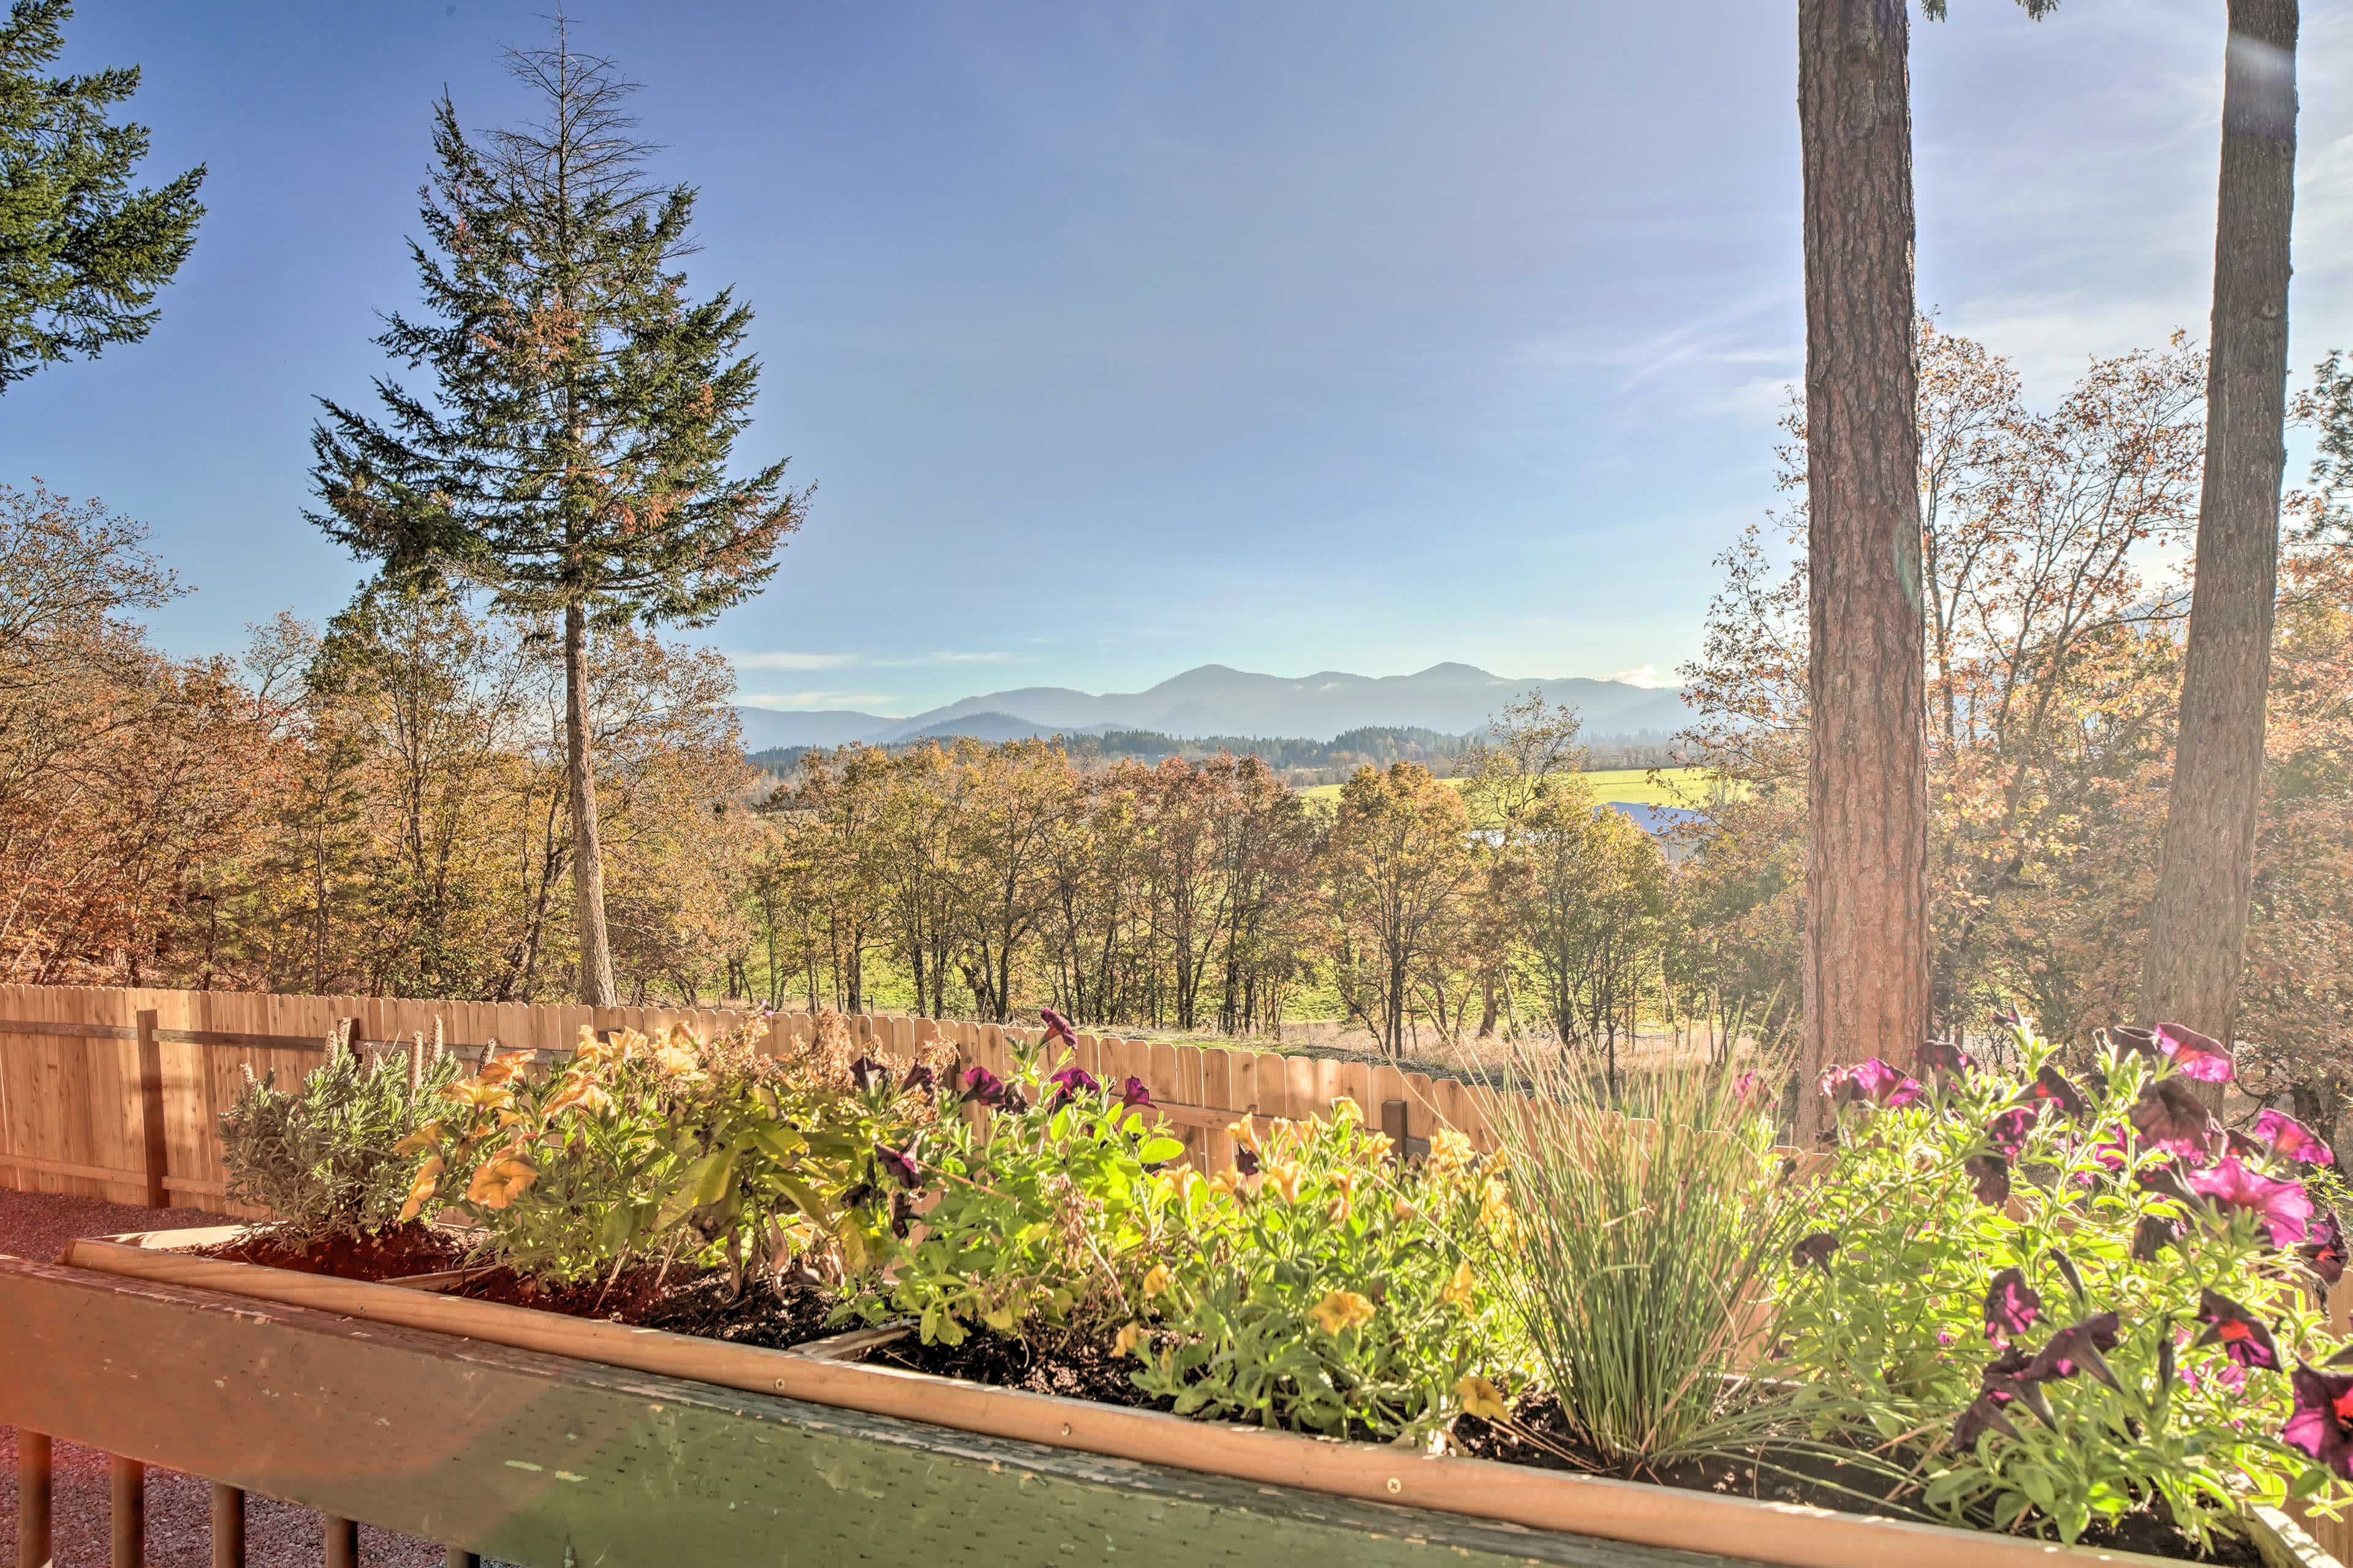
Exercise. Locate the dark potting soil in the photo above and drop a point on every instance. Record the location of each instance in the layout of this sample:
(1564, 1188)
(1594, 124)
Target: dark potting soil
(1805, 1476)
(765, 1313)
(395, 1254)
(1074, 1367)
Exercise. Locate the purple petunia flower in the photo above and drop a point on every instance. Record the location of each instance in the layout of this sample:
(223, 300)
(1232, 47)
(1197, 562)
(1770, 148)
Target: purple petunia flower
(2152, 1236)
(2291, 1140)
(2007, 1129)
(919, 1075)
(2078, 1348)
(1992, 1174)
(983, 1086)
(902, 1164)
(2171, 1117)
(1132, 1094)
(2133, 1038)
(2324, 1248)
(2284, 1207)
(1873, 1082)
(2193, 1055)
(1748, 1091)
(1983, 1415)
(1814, 1251)
(868, 1075)
(903, 1216)
(1059, 1027)
(2322, 1424)
(2241, 1335)
(1943, 1058)
(1246, 1160)
(1069, 1084)
(2052, 1087)
(2011, 1306)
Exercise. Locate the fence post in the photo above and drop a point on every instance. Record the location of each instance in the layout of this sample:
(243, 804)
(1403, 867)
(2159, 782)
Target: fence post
(228, 1527)
(34, 1474)
(127, 1509)
(151, 1101)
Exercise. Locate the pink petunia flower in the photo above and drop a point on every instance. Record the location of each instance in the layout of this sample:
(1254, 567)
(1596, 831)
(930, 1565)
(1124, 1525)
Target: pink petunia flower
(2284, 1207)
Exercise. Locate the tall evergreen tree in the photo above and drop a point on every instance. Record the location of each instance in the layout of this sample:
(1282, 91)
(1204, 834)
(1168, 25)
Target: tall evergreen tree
(2205, 886)
(572, 456)
(81, 253)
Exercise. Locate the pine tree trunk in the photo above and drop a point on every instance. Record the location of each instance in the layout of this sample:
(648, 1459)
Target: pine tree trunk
(1866, 969)
(2198, 922)
(596, 988)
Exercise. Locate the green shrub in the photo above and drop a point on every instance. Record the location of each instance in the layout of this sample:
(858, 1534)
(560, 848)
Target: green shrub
(328, 1160)
(671, 1150)
(1314, 1287)
(2063, 1294)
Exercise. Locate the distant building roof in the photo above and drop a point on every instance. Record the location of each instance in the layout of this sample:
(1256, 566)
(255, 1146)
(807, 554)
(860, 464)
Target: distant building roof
(1656, 820)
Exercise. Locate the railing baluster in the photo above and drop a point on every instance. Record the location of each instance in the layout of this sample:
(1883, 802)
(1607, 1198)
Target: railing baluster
(33, 1478)
(127, 1489)
(461, 1558)
(229, 1526)
(342, 1541)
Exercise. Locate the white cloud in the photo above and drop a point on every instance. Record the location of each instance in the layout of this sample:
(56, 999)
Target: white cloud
(782, 660)
(876, 702)
(1645, 676)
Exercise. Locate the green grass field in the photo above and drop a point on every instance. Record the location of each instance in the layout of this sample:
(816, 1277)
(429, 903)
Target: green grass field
(1674, 787)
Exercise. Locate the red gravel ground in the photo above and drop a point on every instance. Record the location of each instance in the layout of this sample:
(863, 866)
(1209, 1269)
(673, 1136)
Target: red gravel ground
(179, 1507)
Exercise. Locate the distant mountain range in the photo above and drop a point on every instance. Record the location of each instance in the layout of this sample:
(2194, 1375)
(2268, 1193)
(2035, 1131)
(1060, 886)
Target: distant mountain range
(1455, 699)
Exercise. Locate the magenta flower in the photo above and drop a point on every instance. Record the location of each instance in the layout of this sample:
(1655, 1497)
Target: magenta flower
(2007, 1129)
(2324, 1248)
(2052, 1087)
(1814, 1251)
(2078, 1348)
(1992, 1174)
(1943, 1058)
(2283, 1207)
(1983, 1415)
(904, 1168)
(2322, 1424)
(982, 1084)
(1748, 1091)
(1132, 1094)
(1246, 1160)
(2011, 1306)
(1069, 1084)
(1873, 1082)
(2241, 1335)
(1059, 1027)
(919, 1075)
(2230, 1376)
(2193, 1055)
(2171, 1117)
(2291, 1140)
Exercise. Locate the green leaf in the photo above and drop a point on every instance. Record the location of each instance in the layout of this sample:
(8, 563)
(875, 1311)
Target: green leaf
(1160, 1150)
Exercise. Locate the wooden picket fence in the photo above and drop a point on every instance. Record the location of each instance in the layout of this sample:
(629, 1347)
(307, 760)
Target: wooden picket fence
(117, 1093)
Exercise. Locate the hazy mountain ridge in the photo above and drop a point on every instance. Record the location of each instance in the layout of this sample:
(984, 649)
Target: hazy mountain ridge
(1454, 698)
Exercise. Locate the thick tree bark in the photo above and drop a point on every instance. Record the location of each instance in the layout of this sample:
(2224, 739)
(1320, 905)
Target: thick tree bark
(2198, 921)
(1866, 969)
(597, 987)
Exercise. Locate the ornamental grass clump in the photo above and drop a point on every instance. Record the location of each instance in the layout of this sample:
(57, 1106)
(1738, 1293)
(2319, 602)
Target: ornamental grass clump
(1651, 1224)
(2064, 1297)
(330, 1159)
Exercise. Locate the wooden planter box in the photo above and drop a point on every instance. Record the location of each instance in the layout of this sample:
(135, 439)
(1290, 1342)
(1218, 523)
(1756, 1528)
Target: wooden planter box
(545, 1439)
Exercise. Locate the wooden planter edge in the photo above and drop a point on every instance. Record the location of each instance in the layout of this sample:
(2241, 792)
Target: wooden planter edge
(1788, 1535)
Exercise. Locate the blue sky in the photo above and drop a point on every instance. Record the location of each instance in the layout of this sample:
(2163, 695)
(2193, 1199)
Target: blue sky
(1119, 339)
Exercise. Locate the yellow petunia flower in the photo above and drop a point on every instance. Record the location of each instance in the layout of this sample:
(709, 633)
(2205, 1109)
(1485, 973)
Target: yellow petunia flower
(1341, 1309)
(1284, 1179)
(499, 1182)
(421, 1190)
(1482, 1398)
(1402, 1211)
(1449, 1150)
(1346, 1110)
(1129, 1337)
(416, 1143)
(1456, 1292)
(1157, 1282)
